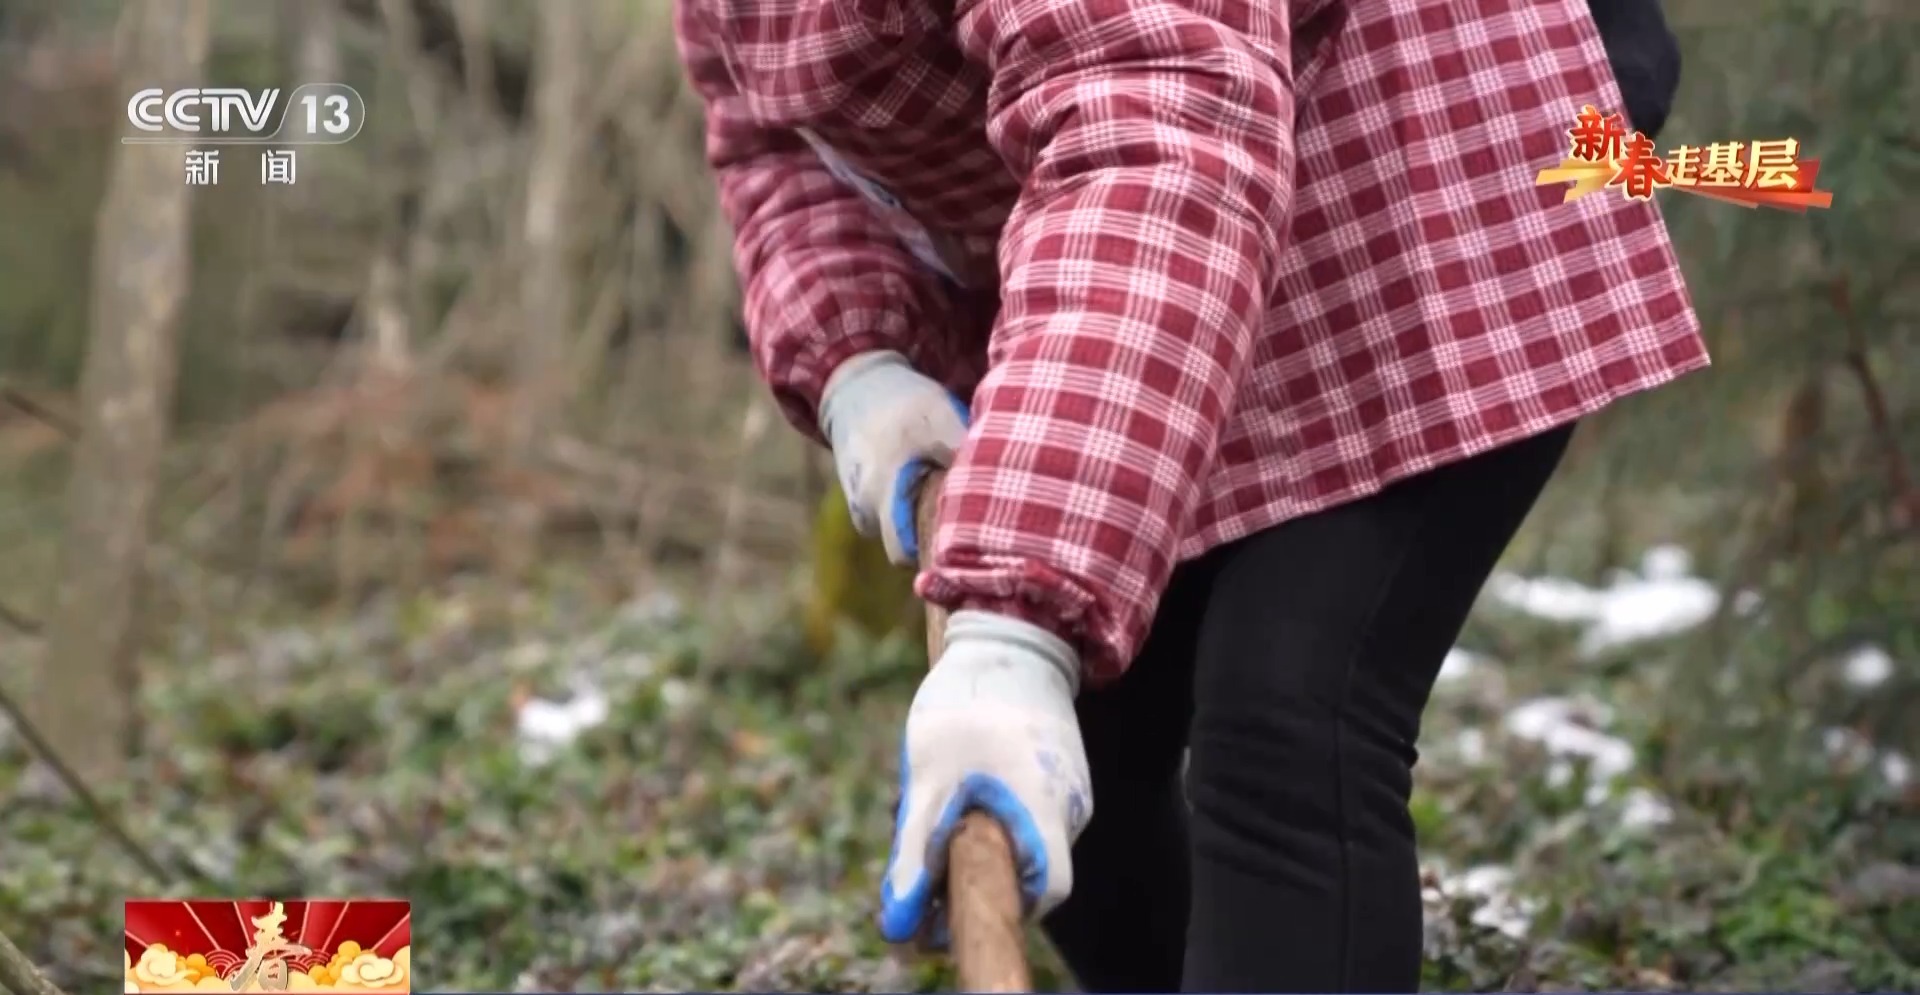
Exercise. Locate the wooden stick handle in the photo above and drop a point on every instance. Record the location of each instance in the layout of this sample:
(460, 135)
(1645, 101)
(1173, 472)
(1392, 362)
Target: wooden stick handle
(983, 889)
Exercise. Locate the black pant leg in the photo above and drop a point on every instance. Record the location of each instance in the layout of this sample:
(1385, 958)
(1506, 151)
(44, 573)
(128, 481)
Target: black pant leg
(1125, 927)
(1645, 57)
(1321, 642)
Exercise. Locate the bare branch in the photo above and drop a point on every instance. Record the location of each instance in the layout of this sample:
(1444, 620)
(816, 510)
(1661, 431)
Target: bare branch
(59, 422)
(1906, 496)
(438, 32)
(19, 975)
(19, 622)
(90, 801)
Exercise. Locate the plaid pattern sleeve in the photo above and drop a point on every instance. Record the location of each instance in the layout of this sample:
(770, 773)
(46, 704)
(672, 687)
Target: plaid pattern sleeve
(1203, 266)
(1155, 142)
(824, 277)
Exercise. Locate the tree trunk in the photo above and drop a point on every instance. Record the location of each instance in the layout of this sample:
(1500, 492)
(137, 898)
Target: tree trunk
(315, 34)
(547, 285)
(474, 22)
(388, 305)
(86, 697)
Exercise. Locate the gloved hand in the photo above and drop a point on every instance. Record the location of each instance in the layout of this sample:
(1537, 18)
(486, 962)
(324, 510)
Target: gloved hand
(992, 727)
(889, 427)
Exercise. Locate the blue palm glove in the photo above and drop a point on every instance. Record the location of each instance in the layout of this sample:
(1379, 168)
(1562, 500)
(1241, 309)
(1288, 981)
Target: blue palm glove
(992, 727)
(889, 427)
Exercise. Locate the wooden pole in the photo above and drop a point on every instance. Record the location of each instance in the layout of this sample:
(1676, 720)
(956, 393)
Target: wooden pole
(983, 888)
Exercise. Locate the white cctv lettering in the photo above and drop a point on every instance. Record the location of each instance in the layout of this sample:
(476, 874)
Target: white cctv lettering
(156, 110)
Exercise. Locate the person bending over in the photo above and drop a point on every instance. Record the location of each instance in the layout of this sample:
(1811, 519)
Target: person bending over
(1249, 342)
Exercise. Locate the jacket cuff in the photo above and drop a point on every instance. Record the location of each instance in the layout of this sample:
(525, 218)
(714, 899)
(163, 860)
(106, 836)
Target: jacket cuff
(1005, 630)
(805, 411)
(1036, 596)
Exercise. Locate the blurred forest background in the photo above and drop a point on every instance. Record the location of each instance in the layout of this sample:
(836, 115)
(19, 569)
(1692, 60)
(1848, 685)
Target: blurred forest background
(418, 530)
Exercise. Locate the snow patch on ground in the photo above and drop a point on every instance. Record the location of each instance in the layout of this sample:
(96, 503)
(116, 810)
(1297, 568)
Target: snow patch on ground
(1570, 729)
(546, 726)
(1896, 768)
(1459, 663)
(652, 609)
(600, 669)
(1853, 752)
(1662, 599)
(1867, 667)
(1491, 886)
(1642, 809)
(1470, 745)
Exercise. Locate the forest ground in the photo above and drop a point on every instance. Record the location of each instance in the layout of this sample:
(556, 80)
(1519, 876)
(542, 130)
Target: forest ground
(584, 794)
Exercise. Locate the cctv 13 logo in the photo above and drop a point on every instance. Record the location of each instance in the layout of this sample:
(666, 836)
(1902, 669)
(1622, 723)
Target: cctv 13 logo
(312, 114)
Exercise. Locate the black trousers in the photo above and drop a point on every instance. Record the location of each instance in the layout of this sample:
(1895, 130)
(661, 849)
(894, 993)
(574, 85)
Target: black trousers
(1295, 663)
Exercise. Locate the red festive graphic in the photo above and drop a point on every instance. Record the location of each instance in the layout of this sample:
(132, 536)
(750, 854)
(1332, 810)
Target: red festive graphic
(1605, 154)
(262, 945)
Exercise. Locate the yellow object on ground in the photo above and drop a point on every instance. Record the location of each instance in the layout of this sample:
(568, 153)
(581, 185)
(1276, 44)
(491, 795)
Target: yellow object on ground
(853, 583)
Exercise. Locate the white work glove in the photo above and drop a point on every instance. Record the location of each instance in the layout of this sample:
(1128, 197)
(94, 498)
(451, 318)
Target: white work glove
(889, 427)
(992, 728)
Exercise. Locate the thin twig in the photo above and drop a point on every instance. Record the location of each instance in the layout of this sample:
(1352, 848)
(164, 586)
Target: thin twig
(157, 551)
(12, 395)
(643, 477)
(1899, 475)
(725, 565)
(20, 623)
(94, 806)
(38, 743)
(1906, 496)
(18, 973)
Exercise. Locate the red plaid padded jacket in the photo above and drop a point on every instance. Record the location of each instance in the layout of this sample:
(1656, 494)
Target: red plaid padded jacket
(1201, 266)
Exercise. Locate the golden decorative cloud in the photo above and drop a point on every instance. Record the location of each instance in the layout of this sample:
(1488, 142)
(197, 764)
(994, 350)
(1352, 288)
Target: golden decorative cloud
(353, 970)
